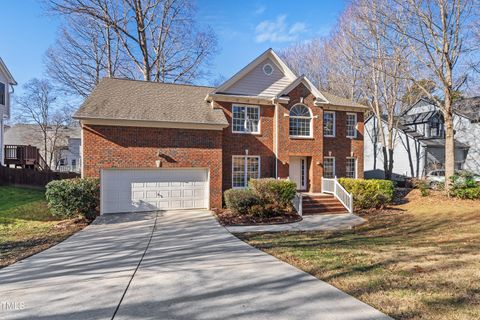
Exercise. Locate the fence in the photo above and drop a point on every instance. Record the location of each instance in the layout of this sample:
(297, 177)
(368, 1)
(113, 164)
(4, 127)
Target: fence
(27, 177)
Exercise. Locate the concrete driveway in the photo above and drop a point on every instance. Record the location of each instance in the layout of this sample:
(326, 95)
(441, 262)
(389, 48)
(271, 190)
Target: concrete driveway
(167, 265)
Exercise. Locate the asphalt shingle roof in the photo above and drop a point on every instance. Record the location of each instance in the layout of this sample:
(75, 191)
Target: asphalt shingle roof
(122, 99)
(339, 101)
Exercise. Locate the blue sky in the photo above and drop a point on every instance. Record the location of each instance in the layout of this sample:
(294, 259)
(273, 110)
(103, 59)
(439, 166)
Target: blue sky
(244, 29)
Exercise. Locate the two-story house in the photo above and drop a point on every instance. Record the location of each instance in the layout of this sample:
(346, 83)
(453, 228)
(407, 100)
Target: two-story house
(6, 88)
(420, 140)
(168, 146)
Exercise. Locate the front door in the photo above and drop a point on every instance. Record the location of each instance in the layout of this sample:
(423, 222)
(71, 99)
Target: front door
(298, 172)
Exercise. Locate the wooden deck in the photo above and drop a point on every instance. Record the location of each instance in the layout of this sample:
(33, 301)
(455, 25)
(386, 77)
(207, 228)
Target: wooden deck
(26, 157)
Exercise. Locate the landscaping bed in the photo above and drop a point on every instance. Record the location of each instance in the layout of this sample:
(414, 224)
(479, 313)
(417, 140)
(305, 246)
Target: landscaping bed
(228, 218)
(416, 259)
(27, 225)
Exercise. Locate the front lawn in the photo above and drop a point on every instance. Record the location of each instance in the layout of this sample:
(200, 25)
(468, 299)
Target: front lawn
(26, 225)
(417, 260)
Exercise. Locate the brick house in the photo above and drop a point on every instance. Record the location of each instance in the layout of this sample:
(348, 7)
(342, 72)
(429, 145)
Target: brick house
(173, 146)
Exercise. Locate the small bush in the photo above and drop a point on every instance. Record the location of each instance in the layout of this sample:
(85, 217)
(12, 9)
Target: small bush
(258, 210)
(423, 186)
(466, 193)
(369, 193)
(278, 192)
(74, 197)
(240, 200)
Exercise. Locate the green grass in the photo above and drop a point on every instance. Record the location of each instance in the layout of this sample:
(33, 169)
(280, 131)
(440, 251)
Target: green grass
(418, 260)
(26, 224)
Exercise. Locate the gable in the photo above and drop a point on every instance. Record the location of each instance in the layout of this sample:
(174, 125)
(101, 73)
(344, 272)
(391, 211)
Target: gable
(422, 106)
(257, 83)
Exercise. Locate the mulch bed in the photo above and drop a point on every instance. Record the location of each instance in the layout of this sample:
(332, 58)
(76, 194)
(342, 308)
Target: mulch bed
(227, 218)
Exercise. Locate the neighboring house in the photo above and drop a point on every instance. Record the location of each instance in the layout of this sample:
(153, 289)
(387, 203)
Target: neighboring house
(420, 140)
(167, 146)
(6, 89)
(63, 148)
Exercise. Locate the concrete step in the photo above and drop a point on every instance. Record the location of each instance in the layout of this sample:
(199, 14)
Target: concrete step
(330, 211)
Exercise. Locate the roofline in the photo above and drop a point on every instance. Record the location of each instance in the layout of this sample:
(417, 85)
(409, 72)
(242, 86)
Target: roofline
(159, 83)
(9, 75)
(269, 52)
(149, 123)
(303, 79)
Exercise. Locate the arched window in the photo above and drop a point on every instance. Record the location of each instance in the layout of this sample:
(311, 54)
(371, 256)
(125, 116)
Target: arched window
(300, 121)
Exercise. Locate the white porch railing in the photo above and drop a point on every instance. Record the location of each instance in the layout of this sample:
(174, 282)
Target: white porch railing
(334, 187)
(298, 203)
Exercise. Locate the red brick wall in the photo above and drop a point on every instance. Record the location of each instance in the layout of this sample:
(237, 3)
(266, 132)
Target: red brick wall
(257, 144)
(309, 147)
(342, 147)
(133, 147)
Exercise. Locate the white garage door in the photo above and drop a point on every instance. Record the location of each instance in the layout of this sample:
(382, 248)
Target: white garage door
(135, 190)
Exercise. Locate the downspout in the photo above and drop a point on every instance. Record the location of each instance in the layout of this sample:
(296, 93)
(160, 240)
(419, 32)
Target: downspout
(276, 140)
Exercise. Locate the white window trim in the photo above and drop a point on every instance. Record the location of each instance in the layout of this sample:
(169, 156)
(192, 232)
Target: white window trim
(259, 118)
(356, 168)
(245, 157)
(355, 127)
(334, 124)
(263, 69)
(334, 169)
(298, 117)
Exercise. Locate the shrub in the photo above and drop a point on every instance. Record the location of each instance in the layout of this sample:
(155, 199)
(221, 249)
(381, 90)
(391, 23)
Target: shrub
(423, 186)
(279, 193)
(369, 193)
(74, 197)
(240, 200)
(466, 193)
(257, 210)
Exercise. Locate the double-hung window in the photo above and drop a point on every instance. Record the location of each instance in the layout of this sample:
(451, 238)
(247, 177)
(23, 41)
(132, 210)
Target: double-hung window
(351, 169)
(351, 125)
(329, 124)
(244, 168)
(300, 121)
(245, 119)
(329, 167)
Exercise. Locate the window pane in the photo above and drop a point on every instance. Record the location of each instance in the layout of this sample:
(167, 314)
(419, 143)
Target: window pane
(350, 169)
(238, 173)
(328, 124)
(328, 167)
(238, 121)
(253, 168)
(299, 127)
(351, 125)
(2, 93)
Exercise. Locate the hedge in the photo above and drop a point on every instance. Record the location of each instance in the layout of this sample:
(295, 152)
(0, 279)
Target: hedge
(278, 192)
(371, 193)
(240, 200)
(263, 197)
(74, 197)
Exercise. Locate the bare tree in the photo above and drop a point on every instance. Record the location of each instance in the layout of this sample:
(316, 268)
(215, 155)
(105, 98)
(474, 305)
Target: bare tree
(438, 35)
(159, 37)
(38, 106)
(84, 53)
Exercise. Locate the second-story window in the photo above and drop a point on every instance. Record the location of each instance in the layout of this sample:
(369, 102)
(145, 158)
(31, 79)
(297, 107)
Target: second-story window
(351, 125)
(2, 93)
(245, 119)
(300, 121)
(329, 124)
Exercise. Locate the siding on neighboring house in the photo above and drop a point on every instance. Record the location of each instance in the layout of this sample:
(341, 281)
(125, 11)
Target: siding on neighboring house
(468, 132)
(257, 83)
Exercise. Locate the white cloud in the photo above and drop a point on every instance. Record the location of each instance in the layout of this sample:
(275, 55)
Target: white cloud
(278, 30)
(260, 9)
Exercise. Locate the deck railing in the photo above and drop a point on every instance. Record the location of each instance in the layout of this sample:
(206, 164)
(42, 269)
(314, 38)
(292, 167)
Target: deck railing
(23, 155)
(334, 187)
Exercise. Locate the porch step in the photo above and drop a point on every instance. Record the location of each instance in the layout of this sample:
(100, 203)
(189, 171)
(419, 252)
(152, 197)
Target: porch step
(321, 204)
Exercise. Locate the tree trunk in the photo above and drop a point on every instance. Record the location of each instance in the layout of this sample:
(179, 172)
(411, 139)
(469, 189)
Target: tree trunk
(449, 145)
